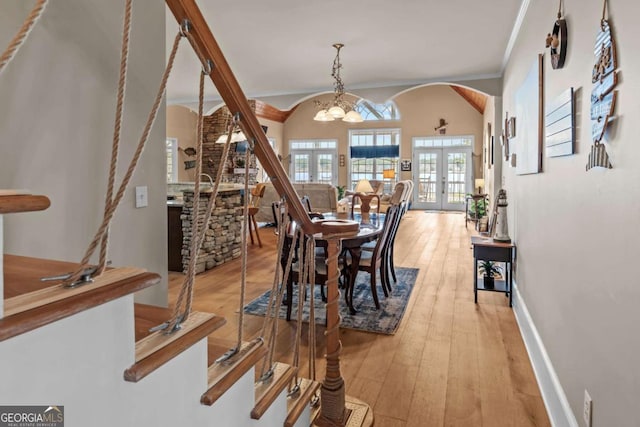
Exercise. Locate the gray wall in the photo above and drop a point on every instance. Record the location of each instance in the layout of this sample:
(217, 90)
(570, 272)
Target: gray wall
(56, 123)
(577, 232)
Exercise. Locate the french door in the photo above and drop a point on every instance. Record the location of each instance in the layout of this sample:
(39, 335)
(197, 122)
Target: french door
(442, 177)
(318, 166)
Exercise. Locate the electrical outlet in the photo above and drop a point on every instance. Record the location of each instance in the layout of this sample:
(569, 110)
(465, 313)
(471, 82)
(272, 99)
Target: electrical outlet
(142, 198)
(586, 411)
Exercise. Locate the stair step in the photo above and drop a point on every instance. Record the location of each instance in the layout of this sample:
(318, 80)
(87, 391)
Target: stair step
(156, 349)
(221, 376)
(45, 303)
(298, 403)
(11, 201)
(267, 392)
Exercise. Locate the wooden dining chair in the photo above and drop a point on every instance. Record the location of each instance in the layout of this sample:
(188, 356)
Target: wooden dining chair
(372, 261)
(254, 206)
(389, 266)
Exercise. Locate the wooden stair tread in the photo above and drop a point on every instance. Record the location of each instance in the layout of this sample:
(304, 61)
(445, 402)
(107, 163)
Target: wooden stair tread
(267, 392)
(47, 303)
(58, 292)
(221, 376)
(147, 316)
(156, 349)
(10, 202)
(297, 404)
(22, 274)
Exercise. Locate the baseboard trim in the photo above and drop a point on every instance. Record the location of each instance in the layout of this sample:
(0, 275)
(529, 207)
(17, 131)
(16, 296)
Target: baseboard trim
(555, 400)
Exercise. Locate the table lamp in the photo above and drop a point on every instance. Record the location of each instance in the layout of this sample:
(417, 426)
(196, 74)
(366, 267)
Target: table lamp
(363, 190)
(479, 184)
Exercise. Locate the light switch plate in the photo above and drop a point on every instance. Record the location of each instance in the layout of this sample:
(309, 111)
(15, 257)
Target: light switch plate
(142, 198)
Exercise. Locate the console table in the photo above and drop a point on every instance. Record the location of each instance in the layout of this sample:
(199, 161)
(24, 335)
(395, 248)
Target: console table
(485, 249)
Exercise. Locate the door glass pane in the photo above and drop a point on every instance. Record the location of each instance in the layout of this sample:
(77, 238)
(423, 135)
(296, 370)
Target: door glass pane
(324, 165)
(427, 169)
(301, 172)
(456, 168)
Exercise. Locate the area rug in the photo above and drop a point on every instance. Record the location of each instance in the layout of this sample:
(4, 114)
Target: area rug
(368, 318)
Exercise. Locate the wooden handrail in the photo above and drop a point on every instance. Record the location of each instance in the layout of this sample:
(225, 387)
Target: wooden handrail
(13, 203)
(234, 98)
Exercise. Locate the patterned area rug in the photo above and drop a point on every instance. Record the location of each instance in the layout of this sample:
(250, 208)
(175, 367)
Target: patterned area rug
(368, 318)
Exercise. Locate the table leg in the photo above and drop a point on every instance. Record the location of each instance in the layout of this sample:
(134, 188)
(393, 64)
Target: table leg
(475, 279)
(510, 284)
(356, 253)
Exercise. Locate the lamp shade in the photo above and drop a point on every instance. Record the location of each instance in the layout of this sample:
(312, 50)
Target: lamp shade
(323, 116)
(353, 117)
(479, 183)
(336, 112)
(364, 186)
(389, 173)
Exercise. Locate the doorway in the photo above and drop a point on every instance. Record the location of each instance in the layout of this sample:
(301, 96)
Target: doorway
(314, 162)
(443, 175)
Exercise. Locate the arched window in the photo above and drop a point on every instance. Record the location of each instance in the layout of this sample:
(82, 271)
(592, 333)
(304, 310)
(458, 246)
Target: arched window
(371, 112)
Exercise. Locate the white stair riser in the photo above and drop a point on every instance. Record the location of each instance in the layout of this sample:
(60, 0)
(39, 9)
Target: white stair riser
(79, 362)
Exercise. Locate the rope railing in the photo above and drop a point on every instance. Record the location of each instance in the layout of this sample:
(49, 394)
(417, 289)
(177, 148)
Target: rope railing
(18, 40)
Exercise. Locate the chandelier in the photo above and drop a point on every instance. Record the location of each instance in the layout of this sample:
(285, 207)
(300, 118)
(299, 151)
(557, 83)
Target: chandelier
(338, 108)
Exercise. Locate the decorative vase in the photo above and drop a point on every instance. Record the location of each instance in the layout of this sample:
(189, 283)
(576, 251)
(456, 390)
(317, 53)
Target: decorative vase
(489, 282)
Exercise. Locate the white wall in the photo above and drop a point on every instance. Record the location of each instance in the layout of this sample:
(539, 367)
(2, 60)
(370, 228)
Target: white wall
(56, 126)
(577, 231)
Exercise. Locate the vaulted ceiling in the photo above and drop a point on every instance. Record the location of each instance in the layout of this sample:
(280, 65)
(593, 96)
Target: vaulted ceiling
(284, 47)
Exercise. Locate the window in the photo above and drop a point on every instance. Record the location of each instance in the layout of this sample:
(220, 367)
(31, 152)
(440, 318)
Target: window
(443, 141)
(370, 111)
(372, 152)
(172, 160)
(314, 160)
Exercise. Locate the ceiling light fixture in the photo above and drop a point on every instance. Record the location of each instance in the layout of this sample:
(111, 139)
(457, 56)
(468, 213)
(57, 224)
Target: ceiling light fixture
(338, 108)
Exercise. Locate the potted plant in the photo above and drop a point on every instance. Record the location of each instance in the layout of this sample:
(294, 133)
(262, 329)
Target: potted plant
(489, 269)
(340, 189)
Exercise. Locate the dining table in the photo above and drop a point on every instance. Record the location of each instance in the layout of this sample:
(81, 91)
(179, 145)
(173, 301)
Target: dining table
(368, 231)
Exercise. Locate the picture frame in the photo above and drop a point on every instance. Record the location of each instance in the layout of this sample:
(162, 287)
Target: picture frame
(405, 165)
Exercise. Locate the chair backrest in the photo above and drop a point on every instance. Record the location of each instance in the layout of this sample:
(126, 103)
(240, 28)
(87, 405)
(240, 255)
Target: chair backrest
(398, 193)
(402, 207)
(257, 193)
(392, 214)
(378, 186)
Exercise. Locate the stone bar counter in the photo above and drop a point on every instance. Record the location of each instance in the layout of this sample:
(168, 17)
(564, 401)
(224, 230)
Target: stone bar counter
(223, 235)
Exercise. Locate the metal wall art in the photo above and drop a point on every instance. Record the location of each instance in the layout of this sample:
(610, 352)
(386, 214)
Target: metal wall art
(557, 40)
(603, 98)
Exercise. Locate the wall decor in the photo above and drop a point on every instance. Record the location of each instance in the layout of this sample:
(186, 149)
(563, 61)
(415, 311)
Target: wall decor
(442, 127)
(405, 165)
(529, 111)
(603, 98)
(487, 148)
(505, 136)
(557, 40)
(559, 128)
(342, 160)
(492, 148)
(511, 127)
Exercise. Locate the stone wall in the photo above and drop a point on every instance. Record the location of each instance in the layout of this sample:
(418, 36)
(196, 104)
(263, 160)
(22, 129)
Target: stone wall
(213, 126)
(223, 236)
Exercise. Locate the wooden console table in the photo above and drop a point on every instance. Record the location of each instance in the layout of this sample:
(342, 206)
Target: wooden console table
(485, 249)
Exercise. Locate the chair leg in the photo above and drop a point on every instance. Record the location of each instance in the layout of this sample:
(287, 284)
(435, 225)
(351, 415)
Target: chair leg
(391, 266)
(255, 227)
(384, 278)
(250, 226)
(374, 291)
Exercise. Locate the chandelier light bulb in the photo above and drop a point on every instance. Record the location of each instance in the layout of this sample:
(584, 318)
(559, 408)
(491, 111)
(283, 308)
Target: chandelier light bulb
(323, 116)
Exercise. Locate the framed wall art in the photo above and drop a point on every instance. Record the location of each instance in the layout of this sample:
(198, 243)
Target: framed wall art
(527, 145)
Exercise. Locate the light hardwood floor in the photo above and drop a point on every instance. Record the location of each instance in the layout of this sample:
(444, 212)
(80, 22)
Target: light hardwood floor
(451, 362)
